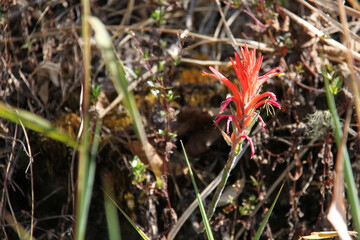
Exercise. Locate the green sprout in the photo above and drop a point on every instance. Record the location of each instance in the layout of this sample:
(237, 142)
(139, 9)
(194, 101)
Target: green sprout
(95, 91)
(138, 169)
(299, 68)
(333, 77)
(158, 15)
(248, 205)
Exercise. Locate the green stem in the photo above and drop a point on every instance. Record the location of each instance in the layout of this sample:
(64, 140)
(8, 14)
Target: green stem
(220, 188)
(349, 177)
(81, 212)
(230, 164)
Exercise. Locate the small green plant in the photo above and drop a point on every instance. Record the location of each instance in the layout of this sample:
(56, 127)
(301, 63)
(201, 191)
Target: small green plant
(286, 41)
(95, 92)
(248, 205)
(158, 15)
(334, 78)
(299, 68)
(162, 133)
(138, 169)
(255, 182)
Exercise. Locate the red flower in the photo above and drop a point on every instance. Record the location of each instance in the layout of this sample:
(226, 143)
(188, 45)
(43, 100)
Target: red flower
(247, 97)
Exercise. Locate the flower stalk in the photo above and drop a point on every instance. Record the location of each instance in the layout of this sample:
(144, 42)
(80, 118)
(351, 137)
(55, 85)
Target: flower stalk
(247, 98)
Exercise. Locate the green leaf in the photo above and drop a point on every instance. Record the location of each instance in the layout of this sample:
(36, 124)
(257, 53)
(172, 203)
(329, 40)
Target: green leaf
(161, 67)
(110, 196)
(201, 206)
(36, 123)
(116, 69)
(178, 61)
(351, 189)
(146, 54)
(265, 220)
(95, 91)
(335, 85)
(138, 169)
(28, 44)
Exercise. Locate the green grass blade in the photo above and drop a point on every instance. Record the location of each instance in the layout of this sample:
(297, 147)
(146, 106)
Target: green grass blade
(116, 69)
(117, 72)
(139, 230)
(201, 206)
(111, 214)
(36, 123)
(91, 172)
(351, 189)
(266, 219)
(81, 211)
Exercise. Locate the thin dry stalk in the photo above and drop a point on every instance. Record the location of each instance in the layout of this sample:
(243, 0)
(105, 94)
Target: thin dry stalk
(355, 81)
(29, 152)
(329, 20)
(314, 31)
(227, 29)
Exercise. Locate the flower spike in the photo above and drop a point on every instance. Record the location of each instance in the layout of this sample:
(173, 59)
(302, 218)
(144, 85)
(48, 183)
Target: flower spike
(246, 97)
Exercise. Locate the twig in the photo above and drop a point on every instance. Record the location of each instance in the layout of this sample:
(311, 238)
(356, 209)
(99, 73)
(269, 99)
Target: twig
(355, 81)
(31, 180)
(319, 33)
(328, 19)
(333, 6)
(227, 29)
(65, 30)
(131, 87)
(8, 168)
(205, 62)
(127, 15)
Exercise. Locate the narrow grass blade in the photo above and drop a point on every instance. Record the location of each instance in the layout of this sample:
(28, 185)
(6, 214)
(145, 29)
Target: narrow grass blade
(110, 209)
(266, 219)
(116, 69)
(36, 123)
(336, 214)
(351, 189)
(91, 171)
(141, 232)
(201, 206)
(81, 211)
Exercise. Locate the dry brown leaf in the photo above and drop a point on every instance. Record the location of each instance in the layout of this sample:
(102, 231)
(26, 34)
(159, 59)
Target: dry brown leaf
(325, 234)
(226, 138)
(48, 70)
(44, 92)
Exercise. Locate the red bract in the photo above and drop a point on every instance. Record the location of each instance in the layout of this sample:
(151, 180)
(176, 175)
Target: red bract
(247, 97)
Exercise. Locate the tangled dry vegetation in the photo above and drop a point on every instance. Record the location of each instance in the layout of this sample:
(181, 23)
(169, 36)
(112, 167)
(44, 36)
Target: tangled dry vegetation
(164, 46)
